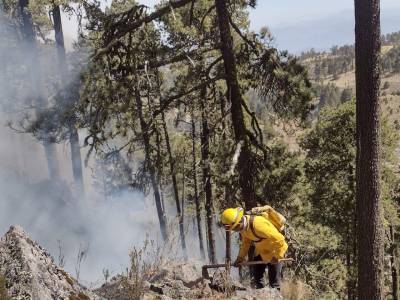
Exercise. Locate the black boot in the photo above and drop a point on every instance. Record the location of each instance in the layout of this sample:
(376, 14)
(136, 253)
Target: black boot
(258, 274)
(275, 275)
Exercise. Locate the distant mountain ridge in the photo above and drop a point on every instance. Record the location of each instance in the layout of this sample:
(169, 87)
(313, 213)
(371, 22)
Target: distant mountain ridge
(332, 74)
(322, 34)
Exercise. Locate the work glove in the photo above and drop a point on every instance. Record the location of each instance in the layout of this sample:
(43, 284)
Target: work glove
(238, 261)
(274, 260)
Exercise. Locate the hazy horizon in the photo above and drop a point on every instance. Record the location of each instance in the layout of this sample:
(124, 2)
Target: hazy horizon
(323, 33)
(300, 26)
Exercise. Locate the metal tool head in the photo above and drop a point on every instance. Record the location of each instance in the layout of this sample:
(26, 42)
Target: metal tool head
(204, 272)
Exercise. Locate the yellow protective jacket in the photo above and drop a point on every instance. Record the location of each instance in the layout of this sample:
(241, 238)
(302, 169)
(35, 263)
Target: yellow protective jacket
(272, 243)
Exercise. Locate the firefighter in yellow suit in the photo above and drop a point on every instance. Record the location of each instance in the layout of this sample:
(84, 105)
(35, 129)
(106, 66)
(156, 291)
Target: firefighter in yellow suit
(262, 227)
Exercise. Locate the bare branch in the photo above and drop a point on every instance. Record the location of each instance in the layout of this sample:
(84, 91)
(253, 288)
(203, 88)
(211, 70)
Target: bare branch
(178, 58)
(209, 68)
(245, 39)
(254, 121)
(166, 102)
(206, 14)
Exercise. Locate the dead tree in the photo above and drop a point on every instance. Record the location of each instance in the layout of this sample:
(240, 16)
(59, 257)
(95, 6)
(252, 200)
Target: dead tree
(196, 192)
(150, 166)
(39, 101)
(171, 161)
(207, 187)
(76, 158)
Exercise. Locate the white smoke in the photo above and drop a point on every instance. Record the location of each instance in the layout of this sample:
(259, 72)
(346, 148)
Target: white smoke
(61, 222)
(46, 208)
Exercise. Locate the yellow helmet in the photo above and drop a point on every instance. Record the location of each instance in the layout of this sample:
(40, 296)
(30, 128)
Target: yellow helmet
(231, 217)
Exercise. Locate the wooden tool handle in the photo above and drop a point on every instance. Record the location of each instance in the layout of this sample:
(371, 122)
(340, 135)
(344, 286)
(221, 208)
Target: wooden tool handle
(247, 263)
(252, 263)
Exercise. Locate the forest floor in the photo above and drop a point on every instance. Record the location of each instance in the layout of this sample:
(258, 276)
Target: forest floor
(389, 95)
(29, 272)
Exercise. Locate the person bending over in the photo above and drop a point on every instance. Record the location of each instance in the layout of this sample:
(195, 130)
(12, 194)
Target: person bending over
(263, 227)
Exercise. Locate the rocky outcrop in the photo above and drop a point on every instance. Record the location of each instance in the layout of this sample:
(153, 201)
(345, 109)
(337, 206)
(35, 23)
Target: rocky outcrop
(182, 281)
(30, 271)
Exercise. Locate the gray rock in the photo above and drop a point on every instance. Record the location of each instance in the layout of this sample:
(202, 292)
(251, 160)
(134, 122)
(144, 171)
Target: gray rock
(31, 273)
(181, 281)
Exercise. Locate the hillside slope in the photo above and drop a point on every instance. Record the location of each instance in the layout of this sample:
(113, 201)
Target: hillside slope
(333, 75)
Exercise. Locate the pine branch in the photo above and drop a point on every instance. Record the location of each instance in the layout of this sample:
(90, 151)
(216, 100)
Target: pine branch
(178, 58)
(144, 20)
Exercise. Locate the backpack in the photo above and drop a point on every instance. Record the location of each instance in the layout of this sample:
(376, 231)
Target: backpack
(277, 219)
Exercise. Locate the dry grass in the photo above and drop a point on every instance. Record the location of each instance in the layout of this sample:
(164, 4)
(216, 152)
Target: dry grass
(147, 261)
(81, 296)
(386, 48)
(3, 290)
(67, 277)
(144, 263)
(296, 290)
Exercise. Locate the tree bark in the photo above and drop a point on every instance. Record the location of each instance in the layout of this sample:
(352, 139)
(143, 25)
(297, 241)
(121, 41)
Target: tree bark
(35, 74)
(369, 211)
(236, 99)
(182, 220)
(171, 161)
(150, 166)
(350, 232)
(59, 37)
(222, 108)
(349, 264)
(76, 158)
(196, 192)
(393, 264)
(207, 188)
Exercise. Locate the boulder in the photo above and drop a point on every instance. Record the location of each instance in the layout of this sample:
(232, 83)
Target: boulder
(30, 271)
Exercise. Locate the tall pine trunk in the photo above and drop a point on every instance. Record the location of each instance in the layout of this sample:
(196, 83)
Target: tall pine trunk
(76, 158)
(369, 211)
(150, 166)
(196, 192)
(207, 188)
(350, 244)
(349, 263)
(31, 51)
(171, 161)
(236, 99)
(393, 264)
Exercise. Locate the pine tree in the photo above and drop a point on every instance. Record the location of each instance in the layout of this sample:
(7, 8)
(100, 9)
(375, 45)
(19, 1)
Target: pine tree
(236, 100)
(76, 159)
(369, 210)
(195, 186)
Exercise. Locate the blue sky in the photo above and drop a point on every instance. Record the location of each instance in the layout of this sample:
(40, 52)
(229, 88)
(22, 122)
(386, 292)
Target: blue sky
(280, 13)
(303, 24)
(299, 25)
